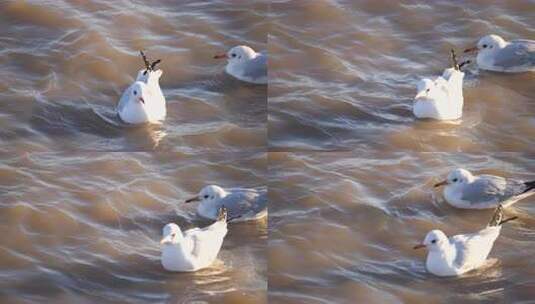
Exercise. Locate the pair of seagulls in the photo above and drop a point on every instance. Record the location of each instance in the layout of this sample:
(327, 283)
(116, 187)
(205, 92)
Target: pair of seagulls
(442, 98)
(144, 102)
(198, 248)
(462, 253)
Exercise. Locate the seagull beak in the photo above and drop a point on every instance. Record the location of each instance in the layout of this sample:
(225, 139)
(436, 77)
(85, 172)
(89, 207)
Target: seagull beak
(193, 199)
(142, 100)
(442, 183)
(419, 246)
(166, 240)
(220, 56)
(420, 95)
(471, 50)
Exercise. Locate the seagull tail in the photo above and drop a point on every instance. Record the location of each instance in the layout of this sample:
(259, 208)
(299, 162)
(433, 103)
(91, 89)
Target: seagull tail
(529, 186)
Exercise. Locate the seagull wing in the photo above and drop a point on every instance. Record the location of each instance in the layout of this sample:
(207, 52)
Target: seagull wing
(206, 241)
(491, 190)
(472, 249)
(125, 98)
(245, 203)
(256, 68)
(516, 54)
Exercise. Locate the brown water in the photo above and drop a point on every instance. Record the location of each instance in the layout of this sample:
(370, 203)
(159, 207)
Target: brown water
(80, 223)
(343, 75)
(342, 226)
(66, 63)
(85, 228)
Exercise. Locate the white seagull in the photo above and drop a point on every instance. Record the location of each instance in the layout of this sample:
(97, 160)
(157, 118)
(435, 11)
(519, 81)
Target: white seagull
(194, 249)
(246, 64)
(496, 54)
(143, 101)
(468, 191)
(461, 253)
(245, 204)
(441, 98)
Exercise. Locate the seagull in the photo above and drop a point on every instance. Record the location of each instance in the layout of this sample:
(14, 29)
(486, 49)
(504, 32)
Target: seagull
(441, 98)
(496, 54)
(143, 101)
(459, 254)
(194, 249)
(246, 64)
(248, 204)
(464, 190)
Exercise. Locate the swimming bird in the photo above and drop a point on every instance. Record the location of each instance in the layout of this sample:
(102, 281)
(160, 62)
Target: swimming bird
(459, 254)
(496, 54)
(465, 190)
(441, 98)
(194, 249)
(248, 204)
(143, 101)
(246, 64)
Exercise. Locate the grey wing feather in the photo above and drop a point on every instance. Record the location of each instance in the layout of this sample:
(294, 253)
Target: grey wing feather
(245, 201)
(124, 99)
(257, 67)
(492, 189)
(466, 246)
(461, 242)
(517, 53)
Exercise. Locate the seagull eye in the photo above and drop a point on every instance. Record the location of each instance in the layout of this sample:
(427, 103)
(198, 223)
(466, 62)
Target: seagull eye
(433, 241)
(484, 46)
(135, 92)
(454, 180)
(206, 196)
(233, 55)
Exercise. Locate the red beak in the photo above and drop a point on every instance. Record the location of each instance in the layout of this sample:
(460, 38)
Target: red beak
(471, 50)
(418, 246)
(442, 183)
(220, 56)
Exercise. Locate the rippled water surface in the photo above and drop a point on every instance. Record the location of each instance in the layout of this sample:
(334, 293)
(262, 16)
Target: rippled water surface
(83, 198)
(66, 63)
(343, 75)
(342, 228)
(85, 228)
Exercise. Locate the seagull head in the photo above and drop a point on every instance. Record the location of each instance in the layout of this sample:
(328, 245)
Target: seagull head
(171, 234)
(434, 240)
(427, 89)
(457, 177)
(488, 44)
(140, 93)
(208, 194)
(238, 54)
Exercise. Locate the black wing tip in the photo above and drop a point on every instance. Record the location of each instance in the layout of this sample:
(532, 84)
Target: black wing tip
(222, 214)
(507, 220)
(148, 65)
(529, 186)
